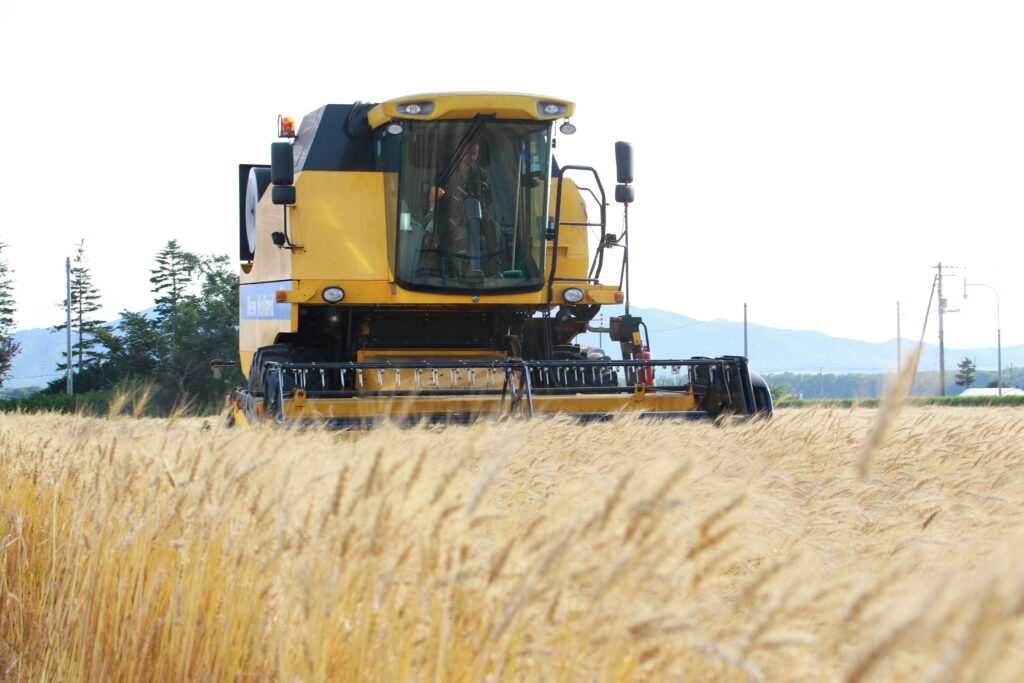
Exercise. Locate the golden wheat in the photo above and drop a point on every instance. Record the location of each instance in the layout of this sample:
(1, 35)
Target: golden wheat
(137, 549)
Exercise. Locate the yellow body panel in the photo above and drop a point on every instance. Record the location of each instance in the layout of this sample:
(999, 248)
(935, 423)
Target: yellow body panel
(339, 219)
(573, 255)
(358, 292)
(423, 406)
(271, 263)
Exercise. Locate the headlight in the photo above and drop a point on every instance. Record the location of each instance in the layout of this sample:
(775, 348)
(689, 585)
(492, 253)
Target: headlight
(333, 294)
(416, 109)
(552, 109)
(573, 295)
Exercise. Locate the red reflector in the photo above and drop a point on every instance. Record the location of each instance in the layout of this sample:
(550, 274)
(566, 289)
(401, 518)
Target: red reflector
(281, 296)
(619, 297)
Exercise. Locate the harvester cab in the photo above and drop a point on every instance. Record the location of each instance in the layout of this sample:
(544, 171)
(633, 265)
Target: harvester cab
(426, 258)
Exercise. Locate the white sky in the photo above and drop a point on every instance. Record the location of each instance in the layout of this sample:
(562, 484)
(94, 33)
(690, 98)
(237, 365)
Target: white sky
(812, 159)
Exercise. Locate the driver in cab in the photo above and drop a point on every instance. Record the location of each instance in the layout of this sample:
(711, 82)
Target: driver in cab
(462, 225)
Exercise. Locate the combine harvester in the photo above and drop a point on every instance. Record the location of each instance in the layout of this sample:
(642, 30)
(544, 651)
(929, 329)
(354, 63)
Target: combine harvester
(426, 258)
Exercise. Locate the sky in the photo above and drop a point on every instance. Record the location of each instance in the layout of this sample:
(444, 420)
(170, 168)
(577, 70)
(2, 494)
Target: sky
(812, 160)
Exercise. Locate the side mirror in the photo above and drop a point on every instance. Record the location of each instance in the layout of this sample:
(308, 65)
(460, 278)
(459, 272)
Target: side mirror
(623, 162)
(282, 165)
(283, 194)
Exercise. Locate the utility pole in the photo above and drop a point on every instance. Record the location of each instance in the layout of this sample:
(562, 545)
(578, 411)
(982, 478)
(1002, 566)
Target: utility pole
(942, 344)
(999, 334)
(70, 376)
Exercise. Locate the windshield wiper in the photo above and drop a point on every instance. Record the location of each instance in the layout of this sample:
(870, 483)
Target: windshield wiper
(479, 121)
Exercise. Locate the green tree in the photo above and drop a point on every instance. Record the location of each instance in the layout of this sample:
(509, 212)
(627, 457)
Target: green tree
(778, 391)
(85, 300)
(133, 353)
(8, 347)
(195, 321)
(174, 272)
(194, 326)
(965, 374)
(211, 332)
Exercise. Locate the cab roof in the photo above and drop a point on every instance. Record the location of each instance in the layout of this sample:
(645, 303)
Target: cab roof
(466, 105)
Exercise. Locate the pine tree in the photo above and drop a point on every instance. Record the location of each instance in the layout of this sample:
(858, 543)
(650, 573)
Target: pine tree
(85, 300)
(965, 376)
(172, 276)
(194, 327)
(8, 347)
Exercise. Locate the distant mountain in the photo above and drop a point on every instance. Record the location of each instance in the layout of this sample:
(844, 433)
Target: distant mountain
(36, 363)
(775, 350)
(672, 336)
(41, 352)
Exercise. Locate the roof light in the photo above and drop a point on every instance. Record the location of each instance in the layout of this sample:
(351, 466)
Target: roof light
(416, 108)
(285, 127)
(333, 294)
(567, 128)
(573, 295)
(552, 109)
(394, 128)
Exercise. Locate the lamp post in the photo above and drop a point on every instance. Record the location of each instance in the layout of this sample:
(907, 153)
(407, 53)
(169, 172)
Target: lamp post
(999, 334)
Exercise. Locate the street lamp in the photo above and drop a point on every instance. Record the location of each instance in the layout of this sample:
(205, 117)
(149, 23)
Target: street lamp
(999, 334)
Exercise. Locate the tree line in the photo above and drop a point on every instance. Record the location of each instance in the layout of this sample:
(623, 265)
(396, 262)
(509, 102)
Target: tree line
(162, 353)
(872, 385)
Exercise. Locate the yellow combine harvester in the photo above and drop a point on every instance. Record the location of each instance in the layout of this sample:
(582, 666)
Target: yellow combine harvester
(426, 258)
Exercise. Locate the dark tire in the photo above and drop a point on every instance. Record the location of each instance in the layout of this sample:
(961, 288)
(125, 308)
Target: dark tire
(277, 353)
(586, 377)
(259, 378)
(762, 395)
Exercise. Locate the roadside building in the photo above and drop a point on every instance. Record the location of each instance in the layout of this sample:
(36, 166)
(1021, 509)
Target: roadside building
(1007, 391)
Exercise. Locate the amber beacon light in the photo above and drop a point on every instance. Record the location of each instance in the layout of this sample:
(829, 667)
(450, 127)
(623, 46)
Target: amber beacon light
(285, 127)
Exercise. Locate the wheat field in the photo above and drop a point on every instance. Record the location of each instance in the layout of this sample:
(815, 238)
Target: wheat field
(136, 549)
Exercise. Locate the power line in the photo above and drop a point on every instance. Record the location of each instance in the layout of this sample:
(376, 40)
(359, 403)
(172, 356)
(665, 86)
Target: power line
(669, 329)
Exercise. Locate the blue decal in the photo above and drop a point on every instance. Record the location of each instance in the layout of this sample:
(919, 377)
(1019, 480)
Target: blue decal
(258, 302)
